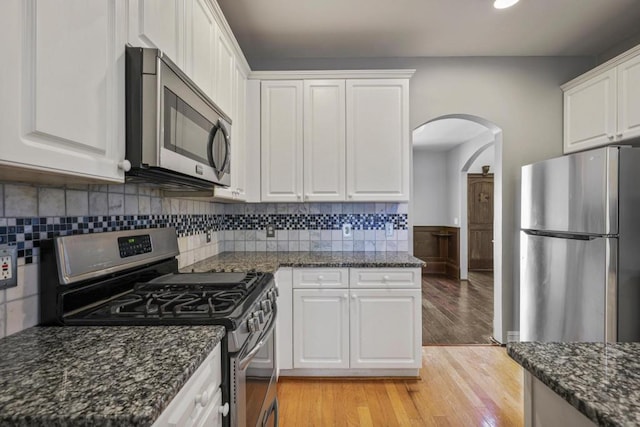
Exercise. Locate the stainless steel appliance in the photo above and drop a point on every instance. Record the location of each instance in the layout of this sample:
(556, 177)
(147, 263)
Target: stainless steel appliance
(580, 247)
(132, 278)
(175, 134)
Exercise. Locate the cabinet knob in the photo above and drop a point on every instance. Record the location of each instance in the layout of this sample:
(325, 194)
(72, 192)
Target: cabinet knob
(385, 278)
(320, 277)
(125, 165)
(620, 135)
(299, 196)
(306, 197)
(351, 196)
(610, 137)
(354, 296)
(202, 399)
(224, 409)
(345, 296)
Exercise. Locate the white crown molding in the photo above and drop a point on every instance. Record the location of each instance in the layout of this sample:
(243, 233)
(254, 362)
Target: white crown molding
(603, 67)
(331, 74)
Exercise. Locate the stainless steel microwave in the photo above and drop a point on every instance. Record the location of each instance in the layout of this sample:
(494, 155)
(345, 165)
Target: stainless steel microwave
(175, 134)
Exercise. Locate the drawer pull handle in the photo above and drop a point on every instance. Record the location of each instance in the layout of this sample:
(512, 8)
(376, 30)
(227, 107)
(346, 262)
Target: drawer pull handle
(224, 409)
(202, 399)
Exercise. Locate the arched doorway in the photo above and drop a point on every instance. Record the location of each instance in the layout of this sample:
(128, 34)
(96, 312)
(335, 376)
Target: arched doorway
(460, 140)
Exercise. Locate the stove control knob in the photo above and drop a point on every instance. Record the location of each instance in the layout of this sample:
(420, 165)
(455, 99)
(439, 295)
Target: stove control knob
(259, 315)
(266, 306)
(253, 324)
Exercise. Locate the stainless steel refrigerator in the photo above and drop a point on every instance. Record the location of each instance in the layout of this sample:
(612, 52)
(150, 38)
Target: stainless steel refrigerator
(580, 247)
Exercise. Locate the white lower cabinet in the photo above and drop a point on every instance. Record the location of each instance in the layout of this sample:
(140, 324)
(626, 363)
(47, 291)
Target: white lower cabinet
(320, 328)
(199, 401)
(385, 328)
(340, 328)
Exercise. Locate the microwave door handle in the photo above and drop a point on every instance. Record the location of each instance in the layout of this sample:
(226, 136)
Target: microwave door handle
(212, 135)
(227, 157)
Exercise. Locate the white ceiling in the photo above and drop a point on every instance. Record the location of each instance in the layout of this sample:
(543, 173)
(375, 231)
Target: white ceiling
(444, 134)
(278, 29)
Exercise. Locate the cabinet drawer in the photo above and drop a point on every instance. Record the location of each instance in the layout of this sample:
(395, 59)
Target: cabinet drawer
(320, 278)
(403, 278)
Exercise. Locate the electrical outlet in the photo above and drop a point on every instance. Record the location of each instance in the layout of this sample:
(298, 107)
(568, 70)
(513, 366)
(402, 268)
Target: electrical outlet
(208, 235)
(346, 230)
(271, 230)
(8, 266)
(388, 228)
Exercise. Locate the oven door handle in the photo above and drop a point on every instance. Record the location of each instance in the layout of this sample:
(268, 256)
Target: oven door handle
(263, 340)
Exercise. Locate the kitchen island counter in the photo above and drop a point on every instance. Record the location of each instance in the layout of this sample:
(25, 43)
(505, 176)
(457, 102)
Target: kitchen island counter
(98, 376)
(601, 381)
(269, 262)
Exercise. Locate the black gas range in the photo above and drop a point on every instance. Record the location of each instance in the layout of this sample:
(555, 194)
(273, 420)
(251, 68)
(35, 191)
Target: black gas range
(132, 278)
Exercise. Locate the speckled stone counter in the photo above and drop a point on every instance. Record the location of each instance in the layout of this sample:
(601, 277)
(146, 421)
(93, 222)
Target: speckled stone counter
(97, 376)
(271, 261)
(601, 381)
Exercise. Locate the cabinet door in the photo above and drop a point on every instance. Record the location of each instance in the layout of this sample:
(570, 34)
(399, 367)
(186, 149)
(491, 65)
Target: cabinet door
(378, 144)
(281, 136)
(386, 328)
(284, 325)
(225, 73)
(590, 113)
(320, 328)
(324, 140)
(158, 24)
(200, 53)
(629, 99)
(62, 82)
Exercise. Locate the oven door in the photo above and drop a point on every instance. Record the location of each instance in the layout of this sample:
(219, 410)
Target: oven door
(253, 395)
(194, 137)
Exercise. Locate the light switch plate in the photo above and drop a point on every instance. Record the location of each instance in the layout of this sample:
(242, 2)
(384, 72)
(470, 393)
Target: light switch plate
(8, 266)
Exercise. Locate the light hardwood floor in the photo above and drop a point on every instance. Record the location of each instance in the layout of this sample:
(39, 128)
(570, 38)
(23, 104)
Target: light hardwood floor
(459, 386)
(457, 311)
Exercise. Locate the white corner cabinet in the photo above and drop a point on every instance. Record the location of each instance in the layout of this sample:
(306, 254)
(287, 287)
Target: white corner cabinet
(338, 327)
(63, 115)
(603, 106)
(199, 401)
(335, 136)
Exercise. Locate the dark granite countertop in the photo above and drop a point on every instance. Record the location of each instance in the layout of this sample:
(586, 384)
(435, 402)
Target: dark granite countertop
(601, 381)
(270, 261)
(97, 376)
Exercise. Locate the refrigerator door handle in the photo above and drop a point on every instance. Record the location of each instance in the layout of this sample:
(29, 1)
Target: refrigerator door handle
(572, 236)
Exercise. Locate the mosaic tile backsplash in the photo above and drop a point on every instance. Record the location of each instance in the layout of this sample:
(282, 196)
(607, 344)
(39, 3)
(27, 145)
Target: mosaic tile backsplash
(30, 214)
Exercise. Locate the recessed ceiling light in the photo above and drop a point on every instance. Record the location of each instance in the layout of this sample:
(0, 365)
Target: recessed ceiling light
(503, 4)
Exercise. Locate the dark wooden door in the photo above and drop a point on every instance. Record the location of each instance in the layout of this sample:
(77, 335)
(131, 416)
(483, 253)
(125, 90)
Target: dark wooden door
(480, 220)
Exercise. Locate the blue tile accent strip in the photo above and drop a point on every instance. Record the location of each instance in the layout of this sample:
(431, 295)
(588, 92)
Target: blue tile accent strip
(27, 233)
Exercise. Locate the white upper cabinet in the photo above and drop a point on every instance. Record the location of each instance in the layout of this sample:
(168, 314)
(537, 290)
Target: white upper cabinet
(590, 113)
(378, 144)
(281, 136)
(355, 138)
(603, 106)
(159, 24)
(324, 140)
(237, 189)
(224, 73)
(629, 99)
(64, 91)
(200, 52)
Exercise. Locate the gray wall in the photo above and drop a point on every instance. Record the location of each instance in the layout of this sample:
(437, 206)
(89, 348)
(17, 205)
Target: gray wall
(521, 95)
(430, 187)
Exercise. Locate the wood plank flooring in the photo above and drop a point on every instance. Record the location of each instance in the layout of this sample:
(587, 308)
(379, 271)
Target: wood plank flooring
(459, 386)
(457, 311)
